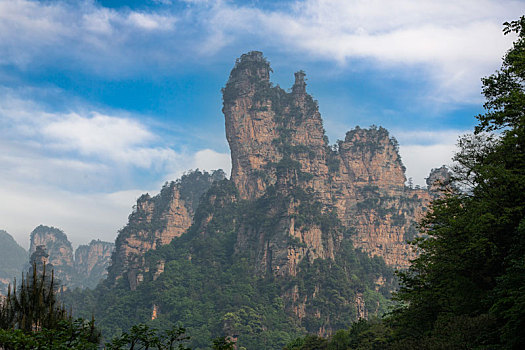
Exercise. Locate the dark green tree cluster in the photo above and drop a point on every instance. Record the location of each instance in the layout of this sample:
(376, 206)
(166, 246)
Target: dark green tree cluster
(32, 318)
(468, 285)
(466, 290)
(142, 336)
(363, 335)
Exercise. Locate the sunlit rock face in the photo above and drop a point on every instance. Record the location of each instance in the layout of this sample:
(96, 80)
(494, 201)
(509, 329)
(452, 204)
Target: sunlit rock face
(277, 140)
(289, 219)
(59, 250)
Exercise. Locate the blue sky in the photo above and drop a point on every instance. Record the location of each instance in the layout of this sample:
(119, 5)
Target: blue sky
(101, 101)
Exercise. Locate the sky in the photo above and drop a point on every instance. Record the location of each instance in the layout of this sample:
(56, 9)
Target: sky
(101, 101)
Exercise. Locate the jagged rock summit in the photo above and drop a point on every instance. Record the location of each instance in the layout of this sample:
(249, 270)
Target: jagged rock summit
(278, 144)
(277, 139)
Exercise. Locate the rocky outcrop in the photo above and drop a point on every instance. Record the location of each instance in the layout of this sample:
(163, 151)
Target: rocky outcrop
(59, 249)
(83, 269)
(300, 233)
(92, 261)
(439, 179)
(277, 141)
(156, 221)
(371, 196)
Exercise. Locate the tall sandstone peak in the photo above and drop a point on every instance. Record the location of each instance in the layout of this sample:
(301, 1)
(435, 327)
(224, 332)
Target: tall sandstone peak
(84, 269)
(277, 139)
(156, 221)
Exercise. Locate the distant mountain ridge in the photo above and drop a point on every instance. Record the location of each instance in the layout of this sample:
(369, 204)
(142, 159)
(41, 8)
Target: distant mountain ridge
(12, 259)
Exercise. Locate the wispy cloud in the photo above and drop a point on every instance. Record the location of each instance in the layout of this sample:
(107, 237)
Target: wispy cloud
(118, 139)
(454, 42)
(81, 170)
(423, 150)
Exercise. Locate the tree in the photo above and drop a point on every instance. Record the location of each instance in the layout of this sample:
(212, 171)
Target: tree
(142, 336)
(32, 318)
(223, 343)
(471, 270)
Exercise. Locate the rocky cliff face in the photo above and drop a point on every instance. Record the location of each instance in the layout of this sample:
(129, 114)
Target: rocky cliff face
(277, 141)
(92, 261)
(83, 269)
(314, 197)
(439, 179)
(371, 196)
(155, 221)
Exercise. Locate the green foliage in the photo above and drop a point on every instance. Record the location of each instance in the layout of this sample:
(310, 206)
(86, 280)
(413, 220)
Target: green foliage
(363, 335)
(194, 184)
(333, 160)
(33, 305)
(215, 289)
(32, 318)
(466, 290)
(77, 335)
(223, 343)
(504, 92)
(467, 286)
(142, 336)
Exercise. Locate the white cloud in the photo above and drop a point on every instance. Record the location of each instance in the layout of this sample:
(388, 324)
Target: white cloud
(82, 216)
(80, 34)
(419, 160)
(151, 22)
(81, 171)
(427, 137)
(115, 138)
(423, 150)
(98, 133)
(208, 159)
(455, 43)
